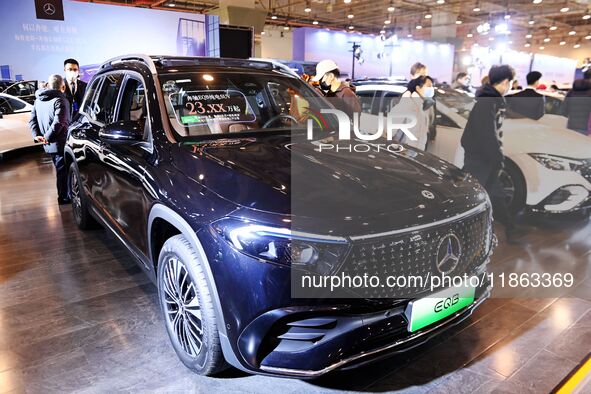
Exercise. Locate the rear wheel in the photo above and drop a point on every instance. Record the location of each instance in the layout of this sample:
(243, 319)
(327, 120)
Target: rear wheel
(514, 186)
(186, 303)
(80, 211)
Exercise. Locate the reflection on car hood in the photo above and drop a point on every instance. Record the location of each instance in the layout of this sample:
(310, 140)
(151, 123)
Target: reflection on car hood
(530, 136)
(276, 174)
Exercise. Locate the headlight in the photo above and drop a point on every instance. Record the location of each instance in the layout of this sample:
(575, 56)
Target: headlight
(556, 162)
(315, 253)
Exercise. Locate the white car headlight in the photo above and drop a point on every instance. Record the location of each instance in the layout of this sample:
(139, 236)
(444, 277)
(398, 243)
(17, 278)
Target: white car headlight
(557, 163)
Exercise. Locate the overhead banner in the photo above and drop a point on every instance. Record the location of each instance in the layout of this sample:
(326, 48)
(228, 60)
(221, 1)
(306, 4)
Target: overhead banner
(38, 36)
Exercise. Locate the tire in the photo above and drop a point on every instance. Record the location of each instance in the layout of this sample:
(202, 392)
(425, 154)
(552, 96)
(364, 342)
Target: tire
(514, 185)
(80, 211)
(190, 318)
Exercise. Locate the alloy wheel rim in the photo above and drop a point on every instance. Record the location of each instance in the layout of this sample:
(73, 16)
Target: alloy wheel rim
(508, 186)
(181, 304)
(75, 192)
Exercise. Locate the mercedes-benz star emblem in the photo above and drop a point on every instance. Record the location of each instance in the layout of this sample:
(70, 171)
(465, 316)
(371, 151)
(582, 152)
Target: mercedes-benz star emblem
(449, 252)
(48, 8)
(428, 194)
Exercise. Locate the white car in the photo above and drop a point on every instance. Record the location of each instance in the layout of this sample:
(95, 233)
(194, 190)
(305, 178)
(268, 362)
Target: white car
(14, 123)
(548, 167)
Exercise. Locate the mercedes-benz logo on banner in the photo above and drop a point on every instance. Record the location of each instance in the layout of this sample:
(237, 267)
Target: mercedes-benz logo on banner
(449, 252)
(49, 9)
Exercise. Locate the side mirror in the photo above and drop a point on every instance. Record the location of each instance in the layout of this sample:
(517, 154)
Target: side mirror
(124, 131)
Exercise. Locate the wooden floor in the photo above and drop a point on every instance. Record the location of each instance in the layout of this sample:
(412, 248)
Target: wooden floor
(77, 315)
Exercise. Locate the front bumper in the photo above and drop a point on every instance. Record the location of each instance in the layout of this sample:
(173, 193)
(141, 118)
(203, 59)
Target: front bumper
(307, 342)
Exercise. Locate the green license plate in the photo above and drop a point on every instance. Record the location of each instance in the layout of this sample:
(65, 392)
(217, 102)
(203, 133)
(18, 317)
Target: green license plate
(426, 311)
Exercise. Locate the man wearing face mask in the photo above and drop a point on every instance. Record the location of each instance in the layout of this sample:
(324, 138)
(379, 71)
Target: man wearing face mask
(75, 88)
(462, 82)
(49, 125)
(345, 99)
(482, 142)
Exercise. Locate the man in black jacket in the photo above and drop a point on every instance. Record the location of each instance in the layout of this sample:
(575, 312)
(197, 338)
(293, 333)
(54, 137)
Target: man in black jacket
(528, 102)
(577, 104)
(75, 88)
(49, 126)
(482, 144)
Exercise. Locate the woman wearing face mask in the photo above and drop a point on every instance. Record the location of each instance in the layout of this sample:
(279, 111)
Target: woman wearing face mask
(74, 87)
(413, 105)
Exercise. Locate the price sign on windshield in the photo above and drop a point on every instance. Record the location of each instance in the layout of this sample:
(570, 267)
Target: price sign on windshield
(219, 106)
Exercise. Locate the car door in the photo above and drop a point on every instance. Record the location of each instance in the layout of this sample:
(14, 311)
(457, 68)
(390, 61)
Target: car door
(126, 192)
(447, 144)
(370, 106)
(14, 124)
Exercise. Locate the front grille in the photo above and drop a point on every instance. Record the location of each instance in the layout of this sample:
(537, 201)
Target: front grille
(415, 253)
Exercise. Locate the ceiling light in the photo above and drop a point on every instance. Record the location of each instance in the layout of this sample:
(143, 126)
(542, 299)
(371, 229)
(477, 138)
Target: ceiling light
(351, 27)
(387, 21)
(528, 35)
(531, 21)
(542, 48)
(286, 27)
(458, 21)
(476, 8)
(491, 38)
(440, 1)
(587, 16)
(572, 33)
(314, 22)
(527, 45)
(391, 8)
(428, 16)
(350, 15)
(208, 77)
(171, 5)
(382, 31)
(263, 33)
(507, 16)
(547, 39)
(562, 43)
(409, 35)
(564, 9)
(588, 37)
(536, 1)
(274, 16)
(419, 27)
(307, 9)
(347, 1)
(469, 35)
(577, 45)
(553, 27)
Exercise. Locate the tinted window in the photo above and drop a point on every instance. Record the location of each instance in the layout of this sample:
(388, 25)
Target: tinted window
(87, 107)
(366, 99)
(107, 99)
(22, 88)
(389, 101)
(9, 105)
(133, 101)
(444, 120)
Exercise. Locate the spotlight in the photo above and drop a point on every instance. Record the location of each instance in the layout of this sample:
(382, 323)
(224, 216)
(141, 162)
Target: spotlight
(562, 43)
(531, 21)
(440, 1)
(587, 16)
(428, 16)
(347, 1)
(308, 7)
(419, 27)
(286, 27)
(564, 9)
(553, 27)
(588, 37)
(387, 21)
(351, 27)
(528, 35)
(314, 22)
(536, 1)
(350, 15)
(577, 45)
(572, 33)
(458, 21)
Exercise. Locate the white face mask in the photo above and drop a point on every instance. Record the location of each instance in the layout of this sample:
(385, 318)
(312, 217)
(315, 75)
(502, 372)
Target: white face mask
(72, 75)
(428, 91)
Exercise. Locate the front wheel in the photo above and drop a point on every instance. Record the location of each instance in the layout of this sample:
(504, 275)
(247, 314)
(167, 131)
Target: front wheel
(514, 186)
(188, 309)
(82, 216)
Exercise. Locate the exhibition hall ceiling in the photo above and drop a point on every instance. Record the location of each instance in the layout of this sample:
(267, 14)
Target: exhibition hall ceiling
(523, 22)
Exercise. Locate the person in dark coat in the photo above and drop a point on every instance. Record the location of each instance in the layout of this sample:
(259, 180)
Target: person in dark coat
(482, 142)
(49, 125)
(577, 104)
(528, 102)
(75, 88)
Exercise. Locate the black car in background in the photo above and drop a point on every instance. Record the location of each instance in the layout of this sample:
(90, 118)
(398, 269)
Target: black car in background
(189, 162)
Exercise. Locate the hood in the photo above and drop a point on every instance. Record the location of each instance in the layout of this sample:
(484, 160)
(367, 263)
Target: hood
(287, 176)
(530, 136)
(47, 94)
(487, 91)
(581, 85)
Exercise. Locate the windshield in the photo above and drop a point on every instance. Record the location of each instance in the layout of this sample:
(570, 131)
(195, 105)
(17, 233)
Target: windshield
(220, 103)
(457, 102)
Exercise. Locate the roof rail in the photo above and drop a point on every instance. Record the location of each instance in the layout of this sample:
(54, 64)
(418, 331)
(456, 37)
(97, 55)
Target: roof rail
(147, 60)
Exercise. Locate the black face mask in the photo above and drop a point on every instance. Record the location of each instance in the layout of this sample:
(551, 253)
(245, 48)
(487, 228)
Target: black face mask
(323, 85)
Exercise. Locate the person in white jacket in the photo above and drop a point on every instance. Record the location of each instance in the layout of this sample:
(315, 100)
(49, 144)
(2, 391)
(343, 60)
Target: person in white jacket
(412, 103)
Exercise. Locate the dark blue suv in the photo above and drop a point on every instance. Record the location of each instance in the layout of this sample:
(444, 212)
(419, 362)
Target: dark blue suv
(190, 162)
